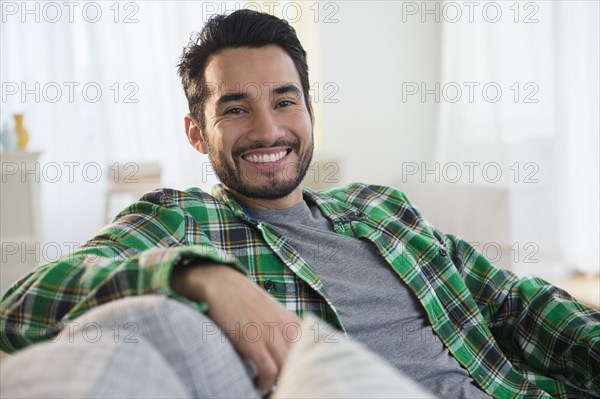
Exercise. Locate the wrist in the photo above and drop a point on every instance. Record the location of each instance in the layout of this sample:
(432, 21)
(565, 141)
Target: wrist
(194, 280)
(184, 283)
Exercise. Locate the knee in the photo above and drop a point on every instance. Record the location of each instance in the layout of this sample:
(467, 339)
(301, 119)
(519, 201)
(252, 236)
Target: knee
(141, 312)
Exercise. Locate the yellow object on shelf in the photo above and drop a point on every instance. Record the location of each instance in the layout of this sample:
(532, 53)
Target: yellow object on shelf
(22, 134)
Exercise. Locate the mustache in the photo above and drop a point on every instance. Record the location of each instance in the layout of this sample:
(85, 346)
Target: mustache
(294, 145)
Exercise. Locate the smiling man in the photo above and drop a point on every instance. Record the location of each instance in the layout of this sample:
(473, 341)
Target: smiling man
(261, 252)
(260, 142)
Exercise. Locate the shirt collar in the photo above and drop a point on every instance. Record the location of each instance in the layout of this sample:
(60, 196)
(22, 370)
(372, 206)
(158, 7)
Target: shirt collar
(334, 209)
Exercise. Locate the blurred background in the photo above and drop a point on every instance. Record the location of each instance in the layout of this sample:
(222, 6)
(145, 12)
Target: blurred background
(485, 114)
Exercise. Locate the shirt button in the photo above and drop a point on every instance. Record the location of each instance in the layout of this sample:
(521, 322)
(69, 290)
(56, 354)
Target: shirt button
(268, 284)
(443, 251)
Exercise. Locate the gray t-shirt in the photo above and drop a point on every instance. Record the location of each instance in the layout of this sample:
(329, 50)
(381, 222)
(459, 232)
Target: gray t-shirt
(375, 305)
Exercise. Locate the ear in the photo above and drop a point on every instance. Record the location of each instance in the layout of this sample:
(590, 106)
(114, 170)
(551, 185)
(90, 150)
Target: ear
(194, 134)
(312, 112)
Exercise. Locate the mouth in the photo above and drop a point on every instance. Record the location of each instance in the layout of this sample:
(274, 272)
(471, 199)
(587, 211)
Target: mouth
(268, 156)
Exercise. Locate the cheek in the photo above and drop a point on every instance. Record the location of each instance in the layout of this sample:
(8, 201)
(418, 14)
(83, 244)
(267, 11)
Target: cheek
(225, 149)
(300, 124)
(227, 146)
(218, 142)
(305, 133)
(227, 137)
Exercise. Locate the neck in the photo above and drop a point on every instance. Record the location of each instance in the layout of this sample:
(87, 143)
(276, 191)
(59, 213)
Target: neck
(290, 200)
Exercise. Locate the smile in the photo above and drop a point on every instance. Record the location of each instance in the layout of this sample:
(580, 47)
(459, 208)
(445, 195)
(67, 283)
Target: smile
(266, 158)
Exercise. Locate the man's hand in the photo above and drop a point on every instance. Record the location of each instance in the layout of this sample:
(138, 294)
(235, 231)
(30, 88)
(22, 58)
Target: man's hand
(232, 298)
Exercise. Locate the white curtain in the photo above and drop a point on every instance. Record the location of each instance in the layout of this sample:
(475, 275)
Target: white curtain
(497, 81)
(544, 58)
(578, 130)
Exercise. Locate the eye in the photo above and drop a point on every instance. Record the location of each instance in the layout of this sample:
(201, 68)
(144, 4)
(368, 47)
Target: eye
(285, 103)
(234, 111)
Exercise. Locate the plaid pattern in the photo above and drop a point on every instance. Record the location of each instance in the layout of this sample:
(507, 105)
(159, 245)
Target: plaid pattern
(516, 337)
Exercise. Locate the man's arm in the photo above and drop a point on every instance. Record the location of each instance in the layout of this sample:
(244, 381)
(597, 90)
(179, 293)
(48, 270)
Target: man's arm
(540, 327)
(547, 330)
(132, 256)
(253, 320)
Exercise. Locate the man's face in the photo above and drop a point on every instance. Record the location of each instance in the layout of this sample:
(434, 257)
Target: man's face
(258, 132)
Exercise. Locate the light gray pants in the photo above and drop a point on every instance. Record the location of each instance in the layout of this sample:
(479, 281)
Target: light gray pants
(138, 347)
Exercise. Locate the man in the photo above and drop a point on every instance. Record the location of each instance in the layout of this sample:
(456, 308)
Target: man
(361, 257)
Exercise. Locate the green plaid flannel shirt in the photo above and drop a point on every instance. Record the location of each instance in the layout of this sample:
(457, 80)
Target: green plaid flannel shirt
(518, 338)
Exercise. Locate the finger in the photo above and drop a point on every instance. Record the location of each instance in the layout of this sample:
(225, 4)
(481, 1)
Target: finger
(267, 371)
(279, 348)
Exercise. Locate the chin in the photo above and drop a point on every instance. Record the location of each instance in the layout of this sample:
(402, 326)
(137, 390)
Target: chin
(268, 191)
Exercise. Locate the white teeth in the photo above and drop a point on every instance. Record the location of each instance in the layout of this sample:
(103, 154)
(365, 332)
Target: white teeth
(266, 158)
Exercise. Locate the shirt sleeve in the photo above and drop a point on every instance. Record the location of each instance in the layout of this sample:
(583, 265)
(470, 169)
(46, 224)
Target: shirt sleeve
(134, 255)
(546, 333)
(540, 327)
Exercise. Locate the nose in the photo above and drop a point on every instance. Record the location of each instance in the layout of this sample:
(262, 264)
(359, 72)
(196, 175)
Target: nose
(265, 127)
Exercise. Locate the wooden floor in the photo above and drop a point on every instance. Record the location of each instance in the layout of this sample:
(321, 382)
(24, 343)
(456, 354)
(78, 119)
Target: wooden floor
(585, 288)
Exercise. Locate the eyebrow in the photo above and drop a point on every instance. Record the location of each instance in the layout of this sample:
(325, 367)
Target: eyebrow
(288, 88)
(241, 95)
(227, 98)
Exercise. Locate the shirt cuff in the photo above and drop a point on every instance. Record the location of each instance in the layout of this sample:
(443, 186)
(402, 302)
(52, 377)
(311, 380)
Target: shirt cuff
(164, 260)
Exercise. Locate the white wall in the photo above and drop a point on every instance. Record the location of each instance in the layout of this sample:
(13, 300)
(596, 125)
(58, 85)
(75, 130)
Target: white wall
(368, 54)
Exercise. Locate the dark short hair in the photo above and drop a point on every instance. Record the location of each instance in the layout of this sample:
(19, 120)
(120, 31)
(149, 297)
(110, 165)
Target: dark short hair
(242, 28)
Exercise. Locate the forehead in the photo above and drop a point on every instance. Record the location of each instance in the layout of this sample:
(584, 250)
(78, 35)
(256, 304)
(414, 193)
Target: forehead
(236, 68)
